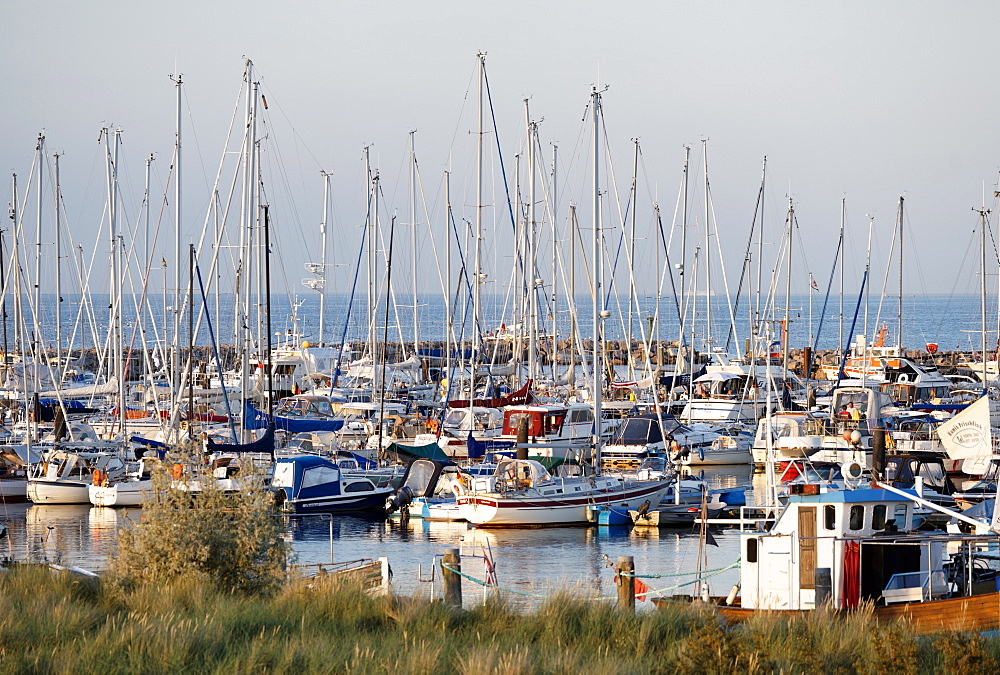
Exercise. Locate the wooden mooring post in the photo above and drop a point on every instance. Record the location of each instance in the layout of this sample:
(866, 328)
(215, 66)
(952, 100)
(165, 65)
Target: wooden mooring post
(626, 583)
(452, 581)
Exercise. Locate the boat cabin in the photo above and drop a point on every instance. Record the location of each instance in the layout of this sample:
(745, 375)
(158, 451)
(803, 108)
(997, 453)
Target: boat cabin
(847, 545)
(575, 421)
(305, 405)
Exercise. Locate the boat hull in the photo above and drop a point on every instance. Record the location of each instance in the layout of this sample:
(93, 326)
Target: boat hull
(371, 501)
(971, 614)
(58, 492)
(494, 510)
(118, 494)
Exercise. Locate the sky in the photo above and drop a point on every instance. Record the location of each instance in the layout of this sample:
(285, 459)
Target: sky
(858, 101)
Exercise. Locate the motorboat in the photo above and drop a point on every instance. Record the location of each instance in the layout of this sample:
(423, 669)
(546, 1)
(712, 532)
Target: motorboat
(312, 484)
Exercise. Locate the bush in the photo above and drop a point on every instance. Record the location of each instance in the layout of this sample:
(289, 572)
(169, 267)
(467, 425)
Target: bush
(233, 540)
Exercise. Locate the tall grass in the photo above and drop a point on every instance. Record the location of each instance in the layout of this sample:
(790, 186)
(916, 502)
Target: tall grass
(54, 622)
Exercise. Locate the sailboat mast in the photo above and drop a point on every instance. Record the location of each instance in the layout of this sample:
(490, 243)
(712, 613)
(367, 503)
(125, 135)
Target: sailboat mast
(413, 230)
(843, 216)
(788, 289)
(598, 313)
(555, 264)
(982, 290)
(899, 315)
(708, 257)
(58, 270)
(531, 253)
(40, 150)
(447, 269)
(175, 354)
(760, 251)
(632, 307)
(479, 233)
(683, 272)
(323, 230)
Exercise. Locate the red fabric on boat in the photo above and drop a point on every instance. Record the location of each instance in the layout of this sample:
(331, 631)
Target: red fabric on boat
(851, 596)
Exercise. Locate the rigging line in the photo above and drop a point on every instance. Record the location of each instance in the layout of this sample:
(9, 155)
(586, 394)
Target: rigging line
(350, 302)
(215, 350)
(745, 271)
(275, 102)
(826, 299)
(194, 132)
(496, 135)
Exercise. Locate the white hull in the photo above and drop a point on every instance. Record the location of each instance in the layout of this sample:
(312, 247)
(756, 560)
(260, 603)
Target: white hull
(496, 510)
(718, 457)
(13, 489)
(58, 492)
(127, 493)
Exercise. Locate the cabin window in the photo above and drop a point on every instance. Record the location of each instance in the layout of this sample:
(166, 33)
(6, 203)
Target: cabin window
(319, 475)
(752, 550)
(578, 416)
(857, 519)
(830, 517)
(899, 515)
(878, 517)
(360, 486)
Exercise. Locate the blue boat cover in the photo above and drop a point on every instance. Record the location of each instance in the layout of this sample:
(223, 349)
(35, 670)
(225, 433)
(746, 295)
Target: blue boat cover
(255, 419)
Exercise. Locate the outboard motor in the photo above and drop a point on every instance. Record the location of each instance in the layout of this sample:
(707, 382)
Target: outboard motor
(420, 481)
(401, 499)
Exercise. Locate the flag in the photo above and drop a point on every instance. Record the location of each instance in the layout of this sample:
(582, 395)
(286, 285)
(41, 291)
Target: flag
(775, 351)
(812, 281)
(968, 434)
(641, 589)
(491, 570)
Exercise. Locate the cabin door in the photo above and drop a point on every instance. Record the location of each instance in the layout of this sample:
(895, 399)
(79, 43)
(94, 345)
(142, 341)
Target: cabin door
(807, 546)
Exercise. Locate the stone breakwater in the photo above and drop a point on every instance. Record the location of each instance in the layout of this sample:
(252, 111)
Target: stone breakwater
(616, 352)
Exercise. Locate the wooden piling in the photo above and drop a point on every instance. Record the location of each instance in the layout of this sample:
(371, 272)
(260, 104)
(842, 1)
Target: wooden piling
(626, 583)
(452, 581)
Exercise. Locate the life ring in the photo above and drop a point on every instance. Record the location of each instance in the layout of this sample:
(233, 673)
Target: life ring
(432, 426)
(96, 477)
(903, 378)
(178, 472)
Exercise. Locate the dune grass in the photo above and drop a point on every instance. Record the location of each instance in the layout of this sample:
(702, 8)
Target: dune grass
(57, 623)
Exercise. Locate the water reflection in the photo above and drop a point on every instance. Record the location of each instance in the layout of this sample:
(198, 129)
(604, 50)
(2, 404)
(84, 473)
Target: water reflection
(530, 561)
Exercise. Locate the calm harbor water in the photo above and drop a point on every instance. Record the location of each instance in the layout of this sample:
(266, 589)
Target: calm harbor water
(530, 562)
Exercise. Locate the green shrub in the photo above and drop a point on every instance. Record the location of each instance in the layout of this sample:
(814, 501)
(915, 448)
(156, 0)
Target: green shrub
(232, 540)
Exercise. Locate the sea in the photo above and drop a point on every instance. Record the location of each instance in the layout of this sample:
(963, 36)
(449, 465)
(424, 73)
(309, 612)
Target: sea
(531, 564)
(951, 321)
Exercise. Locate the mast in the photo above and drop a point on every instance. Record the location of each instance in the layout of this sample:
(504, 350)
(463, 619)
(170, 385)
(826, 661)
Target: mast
(598, 313)
(58, 271)
(413, 246)
(788, 290)
(843, 216)
(899, 315)
(531, 253)
(760, 251)
(555, 264)
(983, 212)
(689, 353)
(40, 150)
(175, 355)
(447, 289)
(479, 233)
(323, 230)
(631, 276)
(708, 258)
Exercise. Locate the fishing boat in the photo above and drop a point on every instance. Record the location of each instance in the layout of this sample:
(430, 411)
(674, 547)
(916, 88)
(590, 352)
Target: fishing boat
(848, 547)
